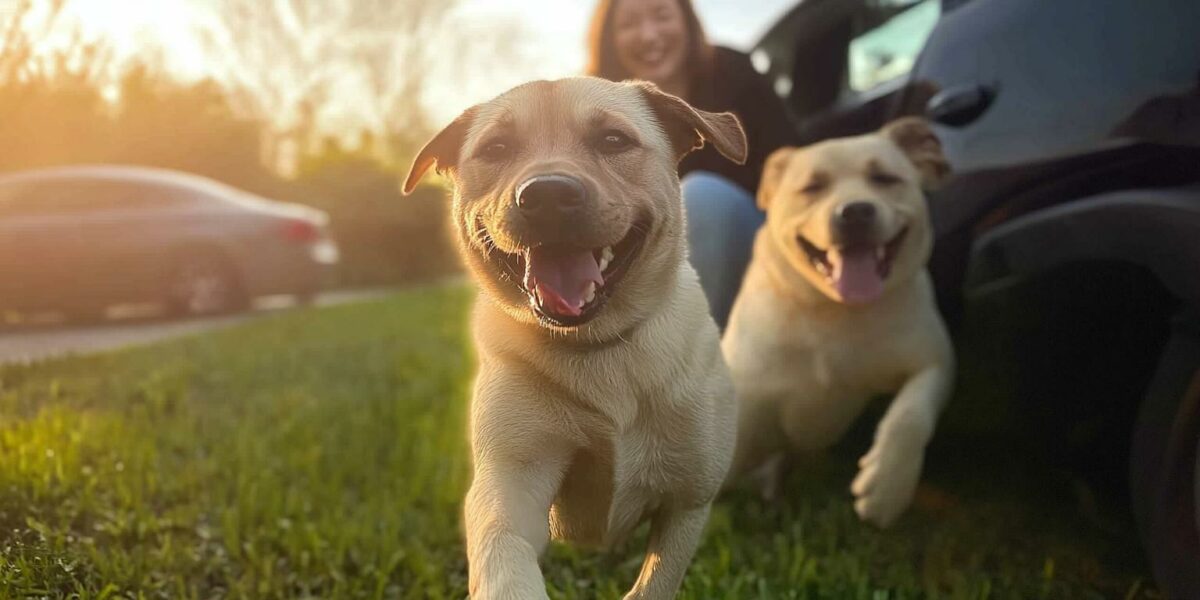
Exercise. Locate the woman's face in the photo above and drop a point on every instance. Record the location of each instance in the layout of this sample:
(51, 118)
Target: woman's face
(651, 39)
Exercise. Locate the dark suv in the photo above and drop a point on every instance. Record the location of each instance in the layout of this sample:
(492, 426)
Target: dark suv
(1071, 229)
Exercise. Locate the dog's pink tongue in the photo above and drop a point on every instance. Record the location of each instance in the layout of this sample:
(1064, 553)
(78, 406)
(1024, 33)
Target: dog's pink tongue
(561, 277)
(856, 275)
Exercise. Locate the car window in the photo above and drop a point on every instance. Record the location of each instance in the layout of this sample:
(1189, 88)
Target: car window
(889, 49)
(82, 196)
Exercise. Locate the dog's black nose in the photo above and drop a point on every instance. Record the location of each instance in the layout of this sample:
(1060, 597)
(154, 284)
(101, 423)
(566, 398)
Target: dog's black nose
(856, 213)
(550, 196)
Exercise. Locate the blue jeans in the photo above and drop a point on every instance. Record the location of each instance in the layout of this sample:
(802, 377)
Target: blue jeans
(722, 219)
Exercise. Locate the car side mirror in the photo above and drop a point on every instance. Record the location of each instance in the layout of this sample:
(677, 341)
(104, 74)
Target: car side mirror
(959, 106)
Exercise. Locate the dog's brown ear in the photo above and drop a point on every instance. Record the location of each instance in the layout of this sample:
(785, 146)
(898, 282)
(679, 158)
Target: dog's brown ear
(922, 147)
(442, 150)
(689, 127)
(772, 175)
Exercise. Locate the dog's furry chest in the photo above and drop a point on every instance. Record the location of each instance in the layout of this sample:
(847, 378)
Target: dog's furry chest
(821, 374)
(823, 389)
(655, 449)
(651, 418)
(655, 436)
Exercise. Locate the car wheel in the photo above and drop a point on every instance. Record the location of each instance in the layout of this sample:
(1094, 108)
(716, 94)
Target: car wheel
(203, 284)
(306, 298)
(1165, 465)
(86, 315)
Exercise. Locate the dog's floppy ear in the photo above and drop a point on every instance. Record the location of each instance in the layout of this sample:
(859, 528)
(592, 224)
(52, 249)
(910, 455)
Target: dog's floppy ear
(689, 127)
(442, 150)
(772, 175)
(916, 139)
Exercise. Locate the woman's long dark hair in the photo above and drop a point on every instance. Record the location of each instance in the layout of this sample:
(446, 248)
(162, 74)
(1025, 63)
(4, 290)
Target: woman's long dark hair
(602, 52)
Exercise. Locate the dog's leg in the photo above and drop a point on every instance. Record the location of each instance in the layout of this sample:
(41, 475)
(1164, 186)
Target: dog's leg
(759, 437)
(519, 463)
(507, 520)
(674, 536)
(889, 472)
(774, 472)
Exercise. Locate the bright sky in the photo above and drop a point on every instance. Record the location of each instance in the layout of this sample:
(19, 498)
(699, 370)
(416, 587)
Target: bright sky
(556, 51)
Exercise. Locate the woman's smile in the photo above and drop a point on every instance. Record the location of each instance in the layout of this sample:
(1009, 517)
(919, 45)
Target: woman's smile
(651, 40)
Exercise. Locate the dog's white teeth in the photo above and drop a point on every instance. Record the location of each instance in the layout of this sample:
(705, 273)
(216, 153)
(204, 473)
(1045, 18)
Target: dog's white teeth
(589, 292)
(606, 256)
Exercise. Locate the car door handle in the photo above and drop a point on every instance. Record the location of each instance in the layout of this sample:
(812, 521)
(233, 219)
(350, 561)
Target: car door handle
(959, 106)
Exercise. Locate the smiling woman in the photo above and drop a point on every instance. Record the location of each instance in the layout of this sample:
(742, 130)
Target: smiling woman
(663, 41)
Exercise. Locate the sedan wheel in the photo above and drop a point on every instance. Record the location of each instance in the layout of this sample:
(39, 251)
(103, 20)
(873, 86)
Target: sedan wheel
(1166, 463)
(203, 285)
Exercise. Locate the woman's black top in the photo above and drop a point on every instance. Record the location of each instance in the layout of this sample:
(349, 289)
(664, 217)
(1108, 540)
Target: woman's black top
(736, 87)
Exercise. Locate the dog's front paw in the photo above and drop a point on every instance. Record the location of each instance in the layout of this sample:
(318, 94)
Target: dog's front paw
(886, 481)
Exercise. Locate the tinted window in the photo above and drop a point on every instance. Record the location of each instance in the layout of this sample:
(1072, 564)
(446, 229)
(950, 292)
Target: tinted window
(889, 49)
(82, 196)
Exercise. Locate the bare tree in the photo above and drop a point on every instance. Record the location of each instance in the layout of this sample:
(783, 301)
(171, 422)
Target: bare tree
(275, 58)
(403, 56)
(29, 21)
(287, 59)
(73, 60)
(398, 49)
(50, 94)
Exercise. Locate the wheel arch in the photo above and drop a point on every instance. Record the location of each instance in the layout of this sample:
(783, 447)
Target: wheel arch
(1155, 229)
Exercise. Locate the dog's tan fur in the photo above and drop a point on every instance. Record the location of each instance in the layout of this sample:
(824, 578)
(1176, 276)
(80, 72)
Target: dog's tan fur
(581, 433)
(804, 362)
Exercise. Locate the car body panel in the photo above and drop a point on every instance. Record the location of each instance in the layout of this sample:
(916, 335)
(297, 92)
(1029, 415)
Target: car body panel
(1157, 229)
(75, 254)
(1062, 89)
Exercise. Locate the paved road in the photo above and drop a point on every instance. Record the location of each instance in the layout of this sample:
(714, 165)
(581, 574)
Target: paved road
(36, 343)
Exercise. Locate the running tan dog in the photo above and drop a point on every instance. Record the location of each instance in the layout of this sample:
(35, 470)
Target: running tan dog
(837, 308)
(602, 398)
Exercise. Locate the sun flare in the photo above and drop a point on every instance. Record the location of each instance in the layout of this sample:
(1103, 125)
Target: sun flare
(169, 30)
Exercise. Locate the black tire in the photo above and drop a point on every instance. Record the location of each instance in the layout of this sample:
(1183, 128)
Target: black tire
(86, 315)
(1165, 467)
(306, 298)
(203, 283)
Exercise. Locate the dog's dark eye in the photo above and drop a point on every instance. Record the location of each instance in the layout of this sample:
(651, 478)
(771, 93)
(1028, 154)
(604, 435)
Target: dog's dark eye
(495, 151)
(613, 142)
(883, 179)
(813, 187)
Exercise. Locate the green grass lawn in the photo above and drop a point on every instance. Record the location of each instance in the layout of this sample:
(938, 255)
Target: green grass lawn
(321, 453)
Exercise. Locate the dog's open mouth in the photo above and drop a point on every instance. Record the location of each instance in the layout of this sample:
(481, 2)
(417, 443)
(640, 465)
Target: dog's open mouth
(858, 272)
(566, 285)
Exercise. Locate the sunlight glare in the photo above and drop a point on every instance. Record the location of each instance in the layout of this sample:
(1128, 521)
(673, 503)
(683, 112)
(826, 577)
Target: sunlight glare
(169, 27)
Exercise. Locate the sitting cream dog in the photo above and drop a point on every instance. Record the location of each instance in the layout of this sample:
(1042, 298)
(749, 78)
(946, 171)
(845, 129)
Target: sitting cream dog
(602, 399)
(837, 307)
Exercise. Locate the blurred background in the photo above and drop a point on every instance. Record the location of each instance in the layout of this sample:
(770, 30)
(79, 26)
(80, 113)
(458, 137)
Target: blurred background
(317, 103)
(204, 156)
